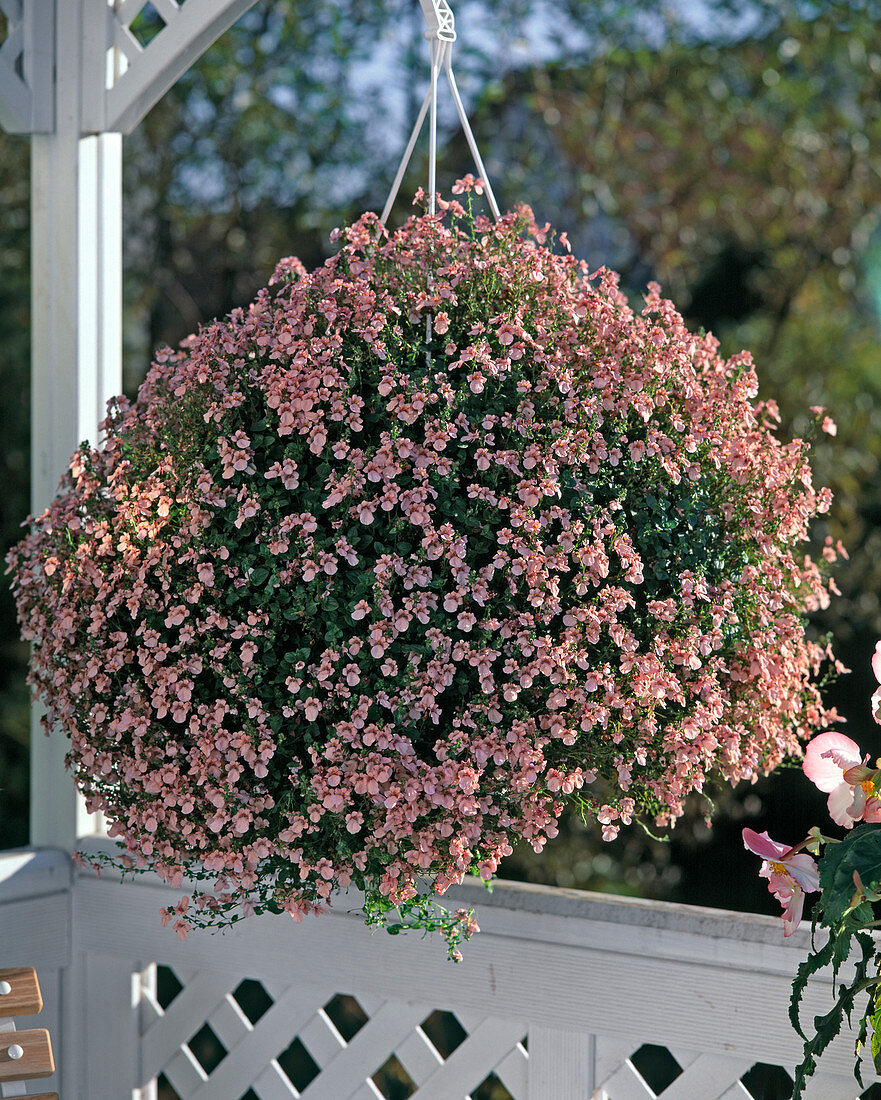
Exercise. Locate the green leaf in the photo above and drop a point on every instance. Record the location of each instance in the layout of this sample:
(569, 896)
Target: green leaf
(861, 852)
(876, 1028)
(812, 964)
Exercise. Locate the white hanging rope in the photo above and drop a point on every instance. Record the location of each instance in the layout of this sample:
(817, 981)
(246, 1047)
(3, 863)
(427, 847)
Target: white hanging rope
(441, 34)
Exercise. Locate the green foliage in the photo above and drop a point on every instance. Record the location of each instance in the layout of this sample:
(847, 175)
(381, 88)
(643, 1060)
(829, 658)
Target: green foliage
(850, 880)
(858, 854)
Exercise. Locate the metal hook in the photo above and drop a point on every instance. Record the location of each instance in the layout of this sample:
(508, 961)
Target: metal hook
(441, 33)
(439, 20)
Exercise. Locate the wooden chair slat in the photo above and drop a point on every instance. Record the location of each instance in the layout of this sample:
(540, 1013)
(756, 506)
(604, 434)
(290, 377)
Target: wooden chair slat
(23, 998)
(36, 1059)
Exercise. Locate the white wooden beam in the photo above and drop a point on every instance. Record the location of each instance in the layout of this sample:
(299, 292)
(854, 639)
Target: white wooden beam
(189, 30)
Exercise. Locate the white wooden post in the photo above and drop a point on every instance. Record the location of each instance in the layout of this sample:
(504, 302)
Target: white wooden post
(74, 76)
(76, 350)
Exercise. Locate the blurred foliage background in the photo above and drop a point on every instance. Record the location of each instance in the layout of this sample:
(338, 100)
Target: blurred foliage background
(730, 149)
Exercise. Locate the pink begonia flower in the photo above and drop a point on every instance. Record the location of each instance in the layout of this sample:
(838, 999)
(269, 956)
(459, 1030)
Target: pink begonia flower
(876, 668)
(834, 765)
(790, 875)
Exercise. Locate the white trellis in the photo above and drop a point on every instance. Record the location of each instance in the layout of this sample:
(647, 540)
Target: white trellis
(558, 994)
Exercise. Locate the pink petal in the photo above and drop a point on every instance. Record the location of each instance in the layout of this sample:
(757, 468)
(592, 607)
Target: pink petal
(802, 869)
(876, 662)
(822, 771)
(763, 845)
(872, 812)
(792, 911)
(858, 805)
(791, 897)
(840, 802)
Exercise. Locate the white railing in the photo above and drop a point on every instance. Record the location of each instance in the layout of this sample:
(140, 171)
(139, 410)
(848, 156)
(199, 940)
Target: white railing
(563, 995)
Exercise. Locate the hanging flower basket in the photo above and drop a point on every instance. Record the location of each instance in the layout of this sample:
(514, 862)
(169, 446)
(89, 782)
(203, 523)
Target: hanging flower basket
(378, 574)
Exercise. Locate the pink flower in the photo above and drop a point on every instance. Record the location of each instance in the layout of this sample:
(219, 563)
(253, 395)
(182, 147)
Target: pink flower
(876, 668)
(833, 764)
(790, 875)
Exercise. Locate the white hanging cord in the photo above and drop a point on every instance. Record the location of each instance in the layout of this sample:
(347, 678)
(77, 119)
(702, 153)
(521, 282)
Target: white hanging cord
(441, 33)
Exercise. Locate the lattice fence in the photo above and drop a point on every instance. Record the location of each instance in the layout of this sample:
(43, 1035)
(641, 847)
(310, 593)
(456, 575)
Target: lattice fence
(210, 1036)
(218, 1038)
(562, 996)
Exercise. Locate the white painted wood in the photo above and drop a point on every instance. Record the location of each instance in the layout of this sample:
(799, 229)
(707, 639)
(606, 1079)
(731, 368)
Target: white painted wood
(272, 1034)
(185, 1074)
(706, 1074)
(383, 1032)
(42, 929)
(25, 100)
(561, 1064)
(521, 973)
(609, 1054)
(182, 1019)
(272, 1084)
(474, 1060)
(76, 301)
(418, 1056)
(229, 1023)
(738, 1092)
(367, 1091)
(69, 1043)
(627, 1084)
(145, 978)
(190, 29)
(514, 980)
(513, 1072)
(321, 1039)
(822, 1086)
(109, 1050)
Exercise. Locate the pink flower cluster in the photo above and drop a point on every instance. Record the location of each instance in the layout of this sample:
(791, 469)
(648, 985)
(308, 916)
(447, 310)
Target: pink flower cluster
(378, 573)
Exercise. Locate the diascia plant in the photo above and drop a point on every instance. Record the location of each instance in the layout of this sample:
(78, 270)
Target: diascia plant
(378, 573)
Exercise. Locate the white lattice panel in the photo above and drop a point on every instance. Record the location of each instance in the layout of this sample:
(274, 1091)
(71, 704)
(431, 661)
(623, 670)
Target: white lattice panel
(680, 1074)
(204, 1046)
(210, 1043)
(560, 997)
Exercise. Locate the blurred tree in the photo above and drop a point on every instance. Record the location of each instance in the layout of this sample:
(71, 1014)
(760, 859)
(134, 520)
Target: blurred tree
(292, 122)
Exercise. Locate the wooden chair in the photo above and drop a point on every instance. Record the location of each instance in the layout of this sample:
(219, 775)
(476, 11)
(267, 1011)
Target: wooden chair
(24, 1055)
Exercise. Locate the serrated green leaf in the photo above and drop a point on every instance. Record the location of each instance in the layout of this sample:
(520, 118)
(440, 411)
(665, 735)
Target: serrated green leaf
(861, 852)
(812, 964)
(875, 1021)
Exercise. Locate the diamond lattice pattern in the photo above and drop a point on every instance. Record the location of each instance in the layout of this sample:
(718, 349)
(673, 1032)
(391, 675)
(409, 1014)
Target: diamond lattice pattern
(266, 1040)
(678, 1074)
(276, 1041)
